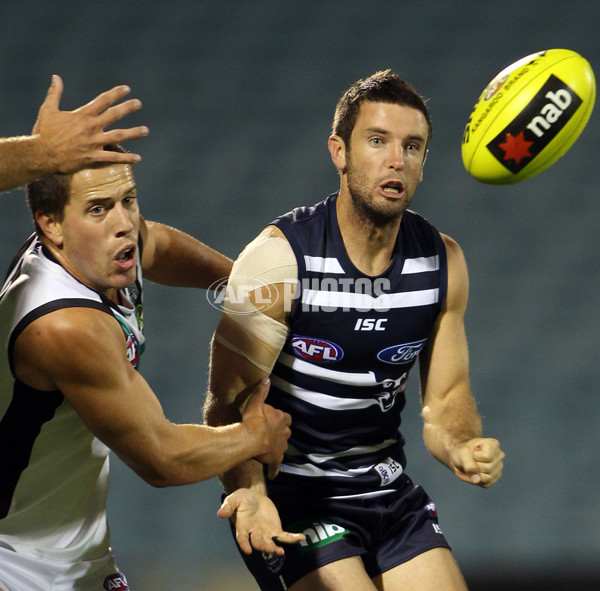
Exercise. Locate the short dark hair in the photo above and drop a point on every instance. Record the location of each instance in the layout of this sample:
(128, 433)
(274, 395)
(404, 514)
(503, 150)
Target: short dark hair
(50, 194)
(381, 87)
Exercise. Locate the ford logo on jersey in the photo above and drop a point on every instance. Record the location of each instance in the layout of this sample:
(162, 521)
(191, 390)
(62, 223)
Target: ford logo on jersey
(398, 354)
(316, 349)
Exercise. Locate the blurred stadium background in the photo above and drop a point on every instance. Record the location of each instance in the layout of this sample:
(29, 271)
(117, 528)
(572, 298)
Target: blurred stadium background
(239, 98)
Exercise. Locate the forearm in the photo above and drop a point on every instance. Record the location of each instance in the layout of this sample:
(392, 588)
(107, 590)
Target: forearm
(184, 454)
(180, 260)
(21, 161)
(449, 421)
(248, 474)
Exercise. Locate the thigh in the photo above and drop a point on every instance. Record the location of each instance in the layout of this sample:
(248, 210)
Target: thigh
(336, 576)
(331, 538)
(409, 527)
(431, 571)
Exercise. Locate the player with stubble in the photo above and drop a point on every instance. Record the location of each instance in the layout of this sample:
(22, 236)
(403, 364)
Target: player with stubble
(343, 481)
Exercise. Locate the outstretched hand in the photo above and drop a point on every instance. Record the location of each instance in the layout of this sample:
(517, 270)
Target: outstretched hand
(274, 423)
(478, 461)
(257, 523)
(71, 140)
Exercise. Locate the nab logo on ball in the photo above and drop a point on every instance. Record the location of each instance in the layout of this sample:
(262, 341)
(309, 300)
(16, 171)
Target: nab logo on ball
(536, 126)
(528, 116)
(315, 349)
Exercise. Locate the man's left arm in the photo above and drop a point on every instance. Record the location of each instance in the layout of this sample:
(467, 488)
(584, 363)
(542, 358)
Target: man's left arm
(172, 257)
(452, 425)
(67, 141)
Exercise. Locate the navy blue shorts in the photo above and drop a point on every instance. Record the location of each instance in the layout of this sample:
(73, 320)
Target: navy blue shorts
(384, 531)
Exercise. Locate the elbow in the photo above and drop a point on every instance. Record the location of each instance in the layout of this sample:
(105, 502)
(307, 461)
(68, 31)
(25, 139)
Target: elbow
(157, 469)
(156, 476)
(176, 468)
(158, 483)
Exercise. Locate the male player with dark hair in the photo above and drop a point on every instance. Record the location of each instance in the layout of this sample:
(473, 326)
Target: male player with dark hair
(377, 287)
(71, 322)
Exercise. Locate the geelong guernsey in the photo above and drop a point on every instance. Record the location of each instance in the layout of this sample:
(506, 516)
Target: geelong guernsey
(53, 471)
(352, 342)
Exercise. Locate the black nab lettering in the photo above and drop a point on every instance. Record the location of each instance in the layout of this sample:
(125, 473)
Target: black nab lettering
(537, 124)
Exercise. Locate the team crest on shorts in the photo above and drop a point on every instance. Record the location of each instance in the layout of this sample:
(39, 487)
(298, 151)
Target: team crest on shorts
(115, 582)
(274, 562)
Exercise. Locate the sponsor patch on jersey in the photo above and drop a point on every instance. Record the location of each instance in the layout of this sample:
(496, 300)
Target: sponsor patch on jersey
(431, 509)
(316, 349)
(388, 471)
(133, 351)
(399, 354)
(115, 582)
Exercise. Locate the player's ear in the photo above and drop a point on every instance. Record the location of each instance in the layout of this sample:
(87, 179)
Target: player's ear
(337, 149)
(50, 227)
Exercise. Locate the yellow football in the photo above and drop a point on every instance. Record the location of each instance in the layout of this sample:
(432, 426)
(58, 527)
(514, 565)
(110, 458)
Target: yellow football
(528, 116)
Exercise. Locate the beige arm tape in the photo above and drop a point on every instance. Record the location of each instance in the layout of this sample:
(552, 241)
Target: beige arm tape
(259, 293)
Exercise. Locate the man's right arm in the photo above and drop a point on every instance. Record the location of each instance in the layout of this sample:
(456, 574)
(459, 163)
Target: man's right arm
(82, 353)
(249, 338)
(66, 141)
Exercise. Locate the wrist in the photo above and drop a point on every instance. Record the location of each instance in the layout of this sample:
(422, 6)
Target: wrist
(41, 160)
(247, 475)
(256, 433)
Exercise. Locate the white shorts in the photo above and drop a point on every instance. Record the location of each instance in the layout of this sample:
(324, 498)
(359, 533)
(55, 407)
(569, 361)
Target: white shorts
(20, 572)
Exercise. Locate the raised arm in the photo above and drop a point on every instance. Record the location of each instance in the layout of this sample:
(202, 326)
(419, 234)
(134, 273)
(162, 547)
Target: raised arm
(172, 257)
(65, 141)
(452, 426)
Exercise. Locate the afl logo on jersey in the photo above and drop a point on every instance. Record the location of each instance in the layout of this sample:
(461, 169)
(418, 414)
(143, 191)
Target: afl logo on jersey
(133, 351)
(116, 582)
(398, 354)
(318, 350)
(431, 509)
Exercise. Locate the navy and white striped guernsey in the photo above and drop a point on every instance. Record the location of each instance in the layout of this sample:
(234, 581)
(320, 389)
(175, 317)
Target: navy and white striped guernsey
(352, 341)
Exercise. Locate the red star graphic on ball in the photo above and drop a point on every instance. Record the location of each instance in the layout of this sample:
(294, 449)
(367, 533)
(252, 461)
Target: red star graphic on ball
(516, 147)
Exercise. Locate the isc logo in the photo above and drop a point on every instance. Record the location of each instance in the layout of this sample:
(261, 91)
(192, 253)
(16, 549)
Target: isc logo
(370, 324)
(316, 349)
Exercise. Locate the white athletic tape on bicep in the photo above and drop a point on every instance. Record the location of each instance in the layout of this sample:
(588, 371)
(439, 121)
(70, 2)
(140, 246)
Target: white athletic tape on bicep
(245, 327)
